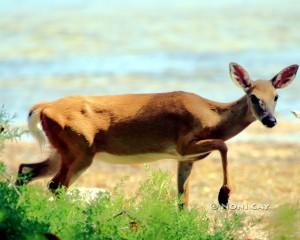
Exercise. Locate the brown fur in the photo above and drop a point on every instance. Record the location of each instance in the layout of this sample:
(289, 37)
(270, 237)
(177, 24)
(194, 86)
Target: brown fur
(130, 124)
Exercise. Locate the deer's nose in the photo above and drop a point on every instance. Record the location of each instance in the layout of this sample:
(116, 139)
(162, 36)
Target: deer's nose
(269, 121)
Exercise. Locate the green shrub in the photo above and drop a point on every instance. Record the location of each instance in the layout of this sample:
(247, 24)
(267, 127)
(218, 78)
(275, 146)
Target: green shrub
(151, 213)
(6, 131)
(285, 222)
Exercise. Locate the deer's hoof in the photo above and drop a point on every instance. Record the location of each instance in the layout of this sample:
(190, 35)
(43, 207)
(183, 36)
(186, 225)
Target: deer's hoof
(224, 196)
(23, 179)
(51, 236)
(53, 187)
(19, 182)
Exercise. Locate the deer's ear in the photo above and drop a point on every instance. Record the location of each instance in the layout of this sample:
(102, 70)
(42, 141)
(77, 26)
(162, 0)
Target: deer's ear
(240, 76)
(285, 77)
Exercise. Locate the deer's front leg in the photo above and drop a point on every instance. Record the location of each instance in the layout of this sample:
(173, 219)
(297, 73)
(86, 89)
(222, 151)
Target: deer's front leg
(183, 178)
(206, 146)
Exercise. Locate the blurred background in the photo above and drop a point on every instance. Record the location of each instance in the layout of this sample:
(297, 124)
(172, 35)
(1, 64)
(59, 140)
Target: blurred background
(50, 49)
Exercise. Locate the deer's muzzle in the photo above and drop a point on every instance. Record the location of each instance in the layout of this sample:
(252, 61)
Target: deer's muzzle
(269, 121)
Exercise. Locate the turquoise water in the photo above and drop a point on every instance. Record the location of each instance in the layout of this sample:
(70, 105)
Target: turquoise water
(50, 49)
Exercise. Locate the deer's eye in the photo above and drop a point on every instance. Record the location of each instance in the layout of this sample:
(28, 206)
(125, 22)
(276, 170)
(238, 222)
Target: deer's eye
(276, 98)
(254, 99)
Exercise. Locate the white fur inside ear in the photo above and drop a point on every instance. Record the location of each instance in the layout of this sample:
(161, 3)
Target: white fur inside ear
(285, 77)
(240, 76)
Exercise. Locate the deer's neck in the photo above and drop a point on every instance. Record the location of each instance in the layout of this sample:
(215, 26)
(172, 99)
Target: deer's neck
(235, 117)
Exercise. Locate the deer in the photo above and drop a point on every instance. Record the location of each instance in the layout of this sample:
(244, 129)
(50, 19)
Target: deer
(141, 128)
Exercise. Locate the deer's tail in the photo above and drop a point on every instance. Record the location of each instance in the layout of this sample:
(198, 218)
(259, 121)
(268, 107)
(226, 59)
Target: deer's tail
(34, 124)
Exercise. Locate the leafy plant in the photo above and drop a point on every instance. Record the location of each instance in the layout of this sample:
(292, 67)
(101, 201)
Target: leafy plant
(150, 213)
(6, 131)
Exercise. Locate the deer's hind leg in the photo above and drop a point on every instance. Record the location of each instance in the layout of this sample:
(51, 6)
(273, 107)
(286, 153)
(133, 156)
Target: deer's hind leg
(31, 171)
(70, 169)
(76, 156)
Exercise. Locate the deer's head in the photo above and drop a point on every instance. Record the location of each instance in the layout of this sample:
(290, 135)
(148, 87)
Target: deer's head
(261, 94)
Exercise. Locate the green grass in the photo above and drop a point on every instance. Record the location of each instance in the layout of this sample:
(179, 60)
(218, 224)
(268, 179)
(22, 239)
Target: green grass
(150, 213)
(285, 222)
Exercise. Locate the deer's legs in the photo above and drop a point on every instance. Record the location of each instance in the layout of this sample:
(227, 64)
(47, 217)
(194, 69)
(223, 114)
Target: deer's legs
(79, 166)
(69, 171)
(183, 178)
(30, 171)
(206, 146)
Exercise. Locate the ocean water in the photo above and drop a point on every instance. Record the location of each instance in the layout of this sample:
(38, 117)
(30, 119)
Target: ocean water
(50, 49)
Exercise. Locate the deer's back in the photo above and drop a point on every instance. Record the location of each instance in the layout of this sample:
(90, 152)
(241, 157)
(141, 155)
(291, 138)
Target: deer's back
(127, 124)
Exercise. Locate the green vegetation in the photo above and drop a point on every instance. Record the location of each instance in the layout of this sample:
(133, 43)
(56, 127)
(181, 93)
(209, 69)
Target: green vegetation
(7, 132)
(151, 213)
(285, 222)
